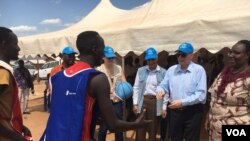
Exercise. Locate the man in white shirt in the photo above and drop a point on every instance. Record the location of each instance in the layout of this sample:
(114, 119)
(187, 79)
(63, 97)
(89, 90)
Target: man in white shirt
(144, 96)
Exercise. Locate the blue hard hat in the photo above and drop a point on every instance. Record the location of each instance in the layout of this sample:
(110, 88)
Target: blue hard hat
(68, 50)
(109, 52)
(185, 48)
(150, 53)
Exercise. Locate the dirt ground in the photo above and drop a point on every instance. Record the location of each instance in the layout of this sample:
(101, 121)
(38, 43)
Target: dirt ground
(36, 121)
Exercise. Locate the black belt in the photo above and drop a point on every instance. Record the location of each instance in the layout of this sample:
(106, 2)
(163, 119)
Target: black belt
(188, 107)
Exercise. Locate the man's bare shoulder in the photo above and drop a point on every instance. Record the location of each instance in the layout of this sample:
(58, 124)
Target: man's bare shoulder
(99, 78)
(98, 85)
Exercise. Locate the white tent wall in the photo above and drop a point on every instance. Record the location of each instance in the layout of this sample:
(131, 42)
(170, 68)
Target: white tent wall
(163, 24)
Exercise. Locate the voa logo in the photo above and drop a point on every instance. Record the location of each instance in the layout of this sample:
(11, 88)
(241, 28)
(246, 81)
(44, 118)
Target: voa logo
(236, 132)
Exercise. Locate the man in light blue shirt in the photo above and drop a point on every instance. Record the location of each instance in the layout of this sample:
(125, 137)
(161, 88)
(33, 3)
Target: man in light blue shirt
(184, 87)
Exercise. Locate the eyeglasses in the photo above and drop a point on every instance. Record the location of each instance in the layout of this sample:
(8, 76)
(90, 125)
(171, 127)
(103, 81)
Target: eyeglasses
(181, 54)
(151, 59)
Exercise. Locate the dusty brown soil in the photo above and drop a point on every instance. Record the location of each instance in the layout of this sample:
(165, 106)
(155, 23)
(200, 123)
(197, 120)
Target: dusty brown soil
(36, 121)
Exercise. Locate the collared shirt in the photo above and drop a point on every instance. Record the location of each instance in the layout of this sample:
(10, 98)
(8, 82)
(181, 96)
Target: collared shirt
(188, 85)
(151, 84)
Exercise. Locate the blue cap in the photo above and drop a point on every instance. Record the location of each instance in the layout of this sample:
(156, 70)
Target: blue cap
(150, 53)
(109, 52)
(185, 48)
(68, 50)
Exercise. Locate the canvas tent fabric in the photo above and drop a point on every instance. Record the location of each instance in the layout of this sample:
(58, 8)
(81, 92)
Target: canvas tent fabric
(162, 24)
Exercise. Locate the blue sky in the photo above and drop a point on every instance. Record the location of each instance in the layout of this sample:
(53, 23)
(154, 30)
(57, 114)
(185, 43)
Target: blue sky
(29, 17)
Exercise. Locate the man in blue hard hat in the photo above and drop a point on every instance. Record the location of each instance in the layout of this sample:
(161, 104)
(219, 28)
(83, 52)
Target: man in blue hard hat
(68, 57)
(144, 94)
(184, 88)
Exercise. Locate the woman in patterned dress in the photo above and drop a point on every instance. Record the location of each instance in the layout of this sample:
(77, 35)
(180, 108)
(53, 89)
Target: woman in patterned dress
(230, 93)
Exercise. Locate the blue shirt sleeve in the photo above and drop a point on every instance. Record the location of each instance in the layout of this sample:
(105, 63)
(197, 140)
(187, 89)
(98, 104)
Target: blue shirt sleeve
(164, 85)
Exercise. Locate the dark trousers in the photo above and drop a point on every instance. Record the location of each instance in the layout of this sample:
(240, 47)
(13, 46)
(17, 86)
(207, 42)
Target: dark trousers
(165, 127)
(103, 127)
(150, 105)
(185, 123)
(46, 99)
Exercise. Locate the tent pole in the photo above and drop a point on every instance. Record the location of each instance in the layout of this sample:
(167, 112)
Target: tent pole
(38, 79)
(124, 102)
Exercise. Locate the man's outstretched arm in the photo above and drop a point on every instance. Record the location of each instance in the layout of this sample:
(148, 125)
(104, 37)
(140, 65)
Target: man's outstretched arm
(100, 89)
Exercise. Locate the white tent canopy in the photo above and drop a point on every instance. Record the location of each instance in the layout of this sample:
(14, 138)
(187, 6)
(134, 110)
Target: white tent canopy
(163, 24)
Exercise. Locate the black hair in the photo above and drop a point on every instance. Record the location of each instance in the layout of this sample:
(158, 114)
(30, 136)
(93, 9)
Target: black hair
(20, 61)
(246, 43)
(247, 47)
(5, 35)
(88, 41)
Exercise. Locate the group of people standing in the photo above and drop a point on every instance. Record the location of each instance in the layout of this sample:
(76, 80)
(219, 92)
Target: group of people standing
(177, 93)
(82, 89)
(184, 93)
